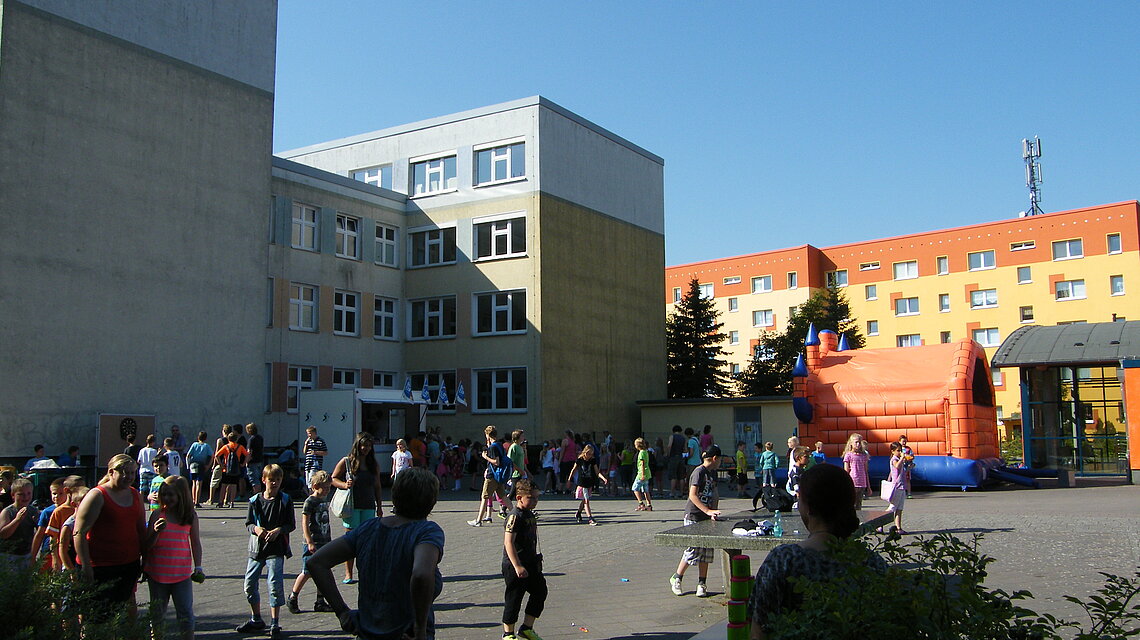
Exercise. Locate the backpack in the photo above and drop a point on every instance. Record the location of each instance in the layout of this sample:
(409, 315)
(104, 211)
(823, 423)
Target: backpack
(505, 469)
(233, 461)
(774, 499)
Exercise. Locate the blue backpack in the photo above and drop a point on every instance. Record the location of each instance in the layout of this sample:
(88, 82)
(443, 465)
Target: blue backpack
(503, 471)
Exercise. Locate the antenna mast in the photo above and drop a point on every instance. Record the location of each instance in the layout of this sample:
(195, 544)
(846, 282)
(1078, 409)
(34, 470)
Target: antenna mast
(1030, 152)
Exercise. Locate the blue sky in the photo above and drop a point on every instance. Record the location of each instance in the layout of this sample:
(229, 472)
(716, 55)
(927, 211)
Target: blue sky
(780, 123)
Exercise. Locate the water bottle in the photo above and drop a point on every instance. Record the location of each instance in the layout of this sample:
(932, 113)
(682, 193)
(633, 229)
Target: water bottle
(778, 528)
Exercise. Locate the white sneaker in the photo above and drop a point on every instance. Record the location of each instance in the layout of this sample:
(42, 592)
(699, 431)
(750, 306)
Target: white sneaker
(702, 591)
(475, 523)
(675, 586)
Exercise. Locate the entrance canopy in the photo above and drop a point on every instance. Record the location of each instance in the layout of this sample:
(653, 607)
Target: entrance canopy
(1070, 344)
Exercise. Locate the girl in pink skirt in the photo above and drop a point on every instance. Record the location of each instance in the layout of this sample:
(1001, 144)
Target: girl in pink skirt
(855, 459)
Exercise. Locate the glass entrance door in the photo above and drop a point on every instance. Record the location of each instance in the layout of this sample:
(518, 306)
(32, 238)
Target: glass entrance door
(1077, 420)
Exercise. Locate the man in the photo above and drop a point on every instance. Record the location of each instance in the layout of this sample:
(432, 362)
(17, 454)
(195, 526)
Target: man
(313, 453)
(39, 457)
(179, 440)
(71, 458)
(676, 463)
(702, 505)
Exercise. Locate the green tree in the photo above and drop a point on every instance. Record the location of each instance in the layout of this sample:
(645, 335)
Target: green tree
(770, 372)
(696, 368)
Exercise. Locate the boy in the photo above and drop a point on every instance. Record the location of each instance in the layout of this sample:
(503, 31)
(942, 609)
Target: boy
(741, 470)
(643, 476)
(768, 463)
(18, 527)
(41, 542)
(493, 454)
(800, 458)
(145, 459)
(313, 454)
(173, 457)
(161, 471)
(232, 460)
(818, 456)
(315, 527)
(269, 520)
(702, 505)
(71, 496)
(522, 565)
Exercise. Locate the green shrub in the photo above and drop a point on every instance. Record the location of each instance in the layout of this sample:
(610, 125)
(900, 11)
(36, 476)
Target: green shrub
(39, 606)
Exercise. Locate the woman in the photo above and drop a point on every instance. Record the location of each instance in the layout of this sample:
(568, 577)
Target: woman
(399, 565)
(109, 528)
(827, 508)
(359, 472)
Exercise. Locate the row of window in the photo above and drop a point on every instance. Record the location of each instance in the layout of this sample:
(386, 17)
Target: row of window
(428, 175)
(988, 298)
(493, 238)
(493, 313)
(496, 390)
(760, 284)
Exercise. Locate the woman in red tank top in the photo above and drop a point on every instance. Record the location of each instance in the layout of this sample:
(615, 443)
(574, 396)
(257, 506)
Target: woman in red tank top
(109, 527)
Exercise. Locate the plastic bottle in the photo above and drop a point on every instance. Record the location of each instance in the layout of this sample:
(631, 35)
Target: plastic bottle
(778, 527)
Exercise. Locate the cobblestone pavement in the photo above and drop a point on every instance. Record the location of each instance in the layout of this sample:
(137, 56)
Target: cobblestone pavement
(1049, 541)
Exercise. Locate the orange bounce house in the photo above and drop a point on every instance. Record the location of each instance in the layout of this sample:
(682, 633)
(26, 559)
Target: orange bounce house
(940, 397)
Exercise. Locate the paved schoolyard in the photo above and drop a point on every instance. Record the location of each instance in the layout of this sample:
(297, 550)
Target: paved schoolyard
(1050, 541)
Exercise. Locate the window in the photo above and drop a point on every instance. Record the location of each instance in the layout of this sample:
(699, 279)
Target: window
(983, 299)
(944, 337)
(1067, 249)
(762, 318)
(731, 280)
(987, 337)
(432, 318)
(433, 246)
(1070, 290)
(384, 323)
(500, 238)
(1114, 243)
(792, 312)
(302, 307)
(347, 236)
(872, 327)
(304, 227)
(869, 266)
(906, 270)
(376, 176)
(500, 312)
(1022, 246)
(500, 164)
(979, 260)
(500, 390)
(384, 379)
(1116, 318)
(942, 265)
(676, 294)
(943, 302)
(836, 279)
(346, 313)
(733, 305)
(793, 280)
(706, 290)
(1024, 275)
(344, 378)
(735, 369)
(733, 337)
(872, 292)
(1025, 313)
(433, 176)
(434, 379)
(1000, 412)
(299, 378)
(908, 340)
(1116, 285)
(762, 284)
(906, 307)
(996, 376)
(387, 245)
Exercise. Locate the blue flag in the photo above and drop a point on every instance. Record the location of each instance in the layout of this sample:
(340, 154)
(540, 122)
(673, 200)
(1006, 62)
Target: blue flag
(408, 389)
(461, 395)
(425, 395)
(443, 399)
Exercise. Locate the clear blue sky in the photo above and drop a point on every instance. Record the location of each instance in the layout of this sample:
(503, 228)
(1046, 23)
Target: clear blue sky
(780, 123)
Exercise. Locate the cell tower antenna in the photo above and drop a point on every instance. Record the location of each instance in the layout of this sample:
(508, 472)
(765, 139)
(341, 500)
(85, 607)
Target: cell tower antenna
(1030, 152)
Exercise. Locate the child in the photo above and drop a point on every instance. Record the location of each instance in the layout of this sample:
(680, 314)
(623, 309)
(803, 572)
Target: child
(146, 467)
(160, 475)
(401, 458)
(588, 475)
(42, 542)
(232, 458)
(173, 457)
(908, 462)
(768, 463)
(898, 495)
(6, 478)
(494, 454)
(315, 527)
(855, 459)
(18, 527)
(173, 556)
(522, 565)
(549, 466)
(605, 456)
(793, 442)
(701, 505)
(641, 484)
(74, 488)
(198, 458)
(741, 470)
(67, 555)
(626, 467)
(800, 458)
(269, 521)
(818, 456)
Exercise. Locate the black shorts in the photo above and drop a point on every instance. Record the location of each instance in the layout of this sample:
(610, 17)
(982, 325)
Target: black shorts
(228, 479)
(120, 579)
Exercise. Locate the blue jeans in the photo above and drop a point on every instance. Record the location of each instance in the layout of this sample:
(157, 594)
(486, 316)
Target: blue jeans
(183, 595)
(253, 475)
(276, 580)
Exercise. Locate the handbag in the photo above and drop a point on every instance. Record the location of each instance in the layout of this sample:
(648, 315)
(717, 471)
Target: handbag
(887, 490)
(341, 505)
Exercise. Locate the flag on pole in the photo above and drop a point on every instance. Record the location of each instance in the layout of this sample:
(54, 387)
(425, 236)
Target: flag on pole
(408, 389)
(425, 395)
(461, 395)
(443, 399)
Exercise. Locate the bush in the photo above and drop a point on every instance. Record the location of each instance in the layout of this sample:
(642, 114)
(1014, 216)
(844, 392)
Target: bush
(40, 606)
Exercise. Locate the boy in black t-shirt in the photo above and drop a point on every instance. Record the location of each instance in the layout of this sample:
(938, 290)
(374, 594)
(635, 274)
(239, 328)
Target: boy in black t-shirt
(270, 520)
(702, 505)
(522, 565)
(315, 527)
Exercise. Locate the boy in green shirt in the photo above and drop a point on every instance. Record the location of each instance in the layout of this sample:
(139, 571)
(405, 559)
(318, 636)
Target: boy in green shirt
(641, 482)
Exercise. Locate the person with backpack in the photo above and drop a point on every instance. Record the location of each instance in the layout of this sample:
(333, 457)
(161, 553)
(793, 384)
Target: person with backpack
(198, 457)
(232, 458)
(499, 471)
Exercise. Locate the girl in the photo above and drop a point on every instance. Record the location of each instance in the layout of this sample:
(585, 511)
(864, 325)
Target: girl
(855, 459)
(549, 475)
(359, 472)
(174, 556)
(706, 439)
(658, 456)
(604, 464)
(898, 494)
(401, 458)
(454, 459)
(588, 476)
(626, 469)
(908, 461)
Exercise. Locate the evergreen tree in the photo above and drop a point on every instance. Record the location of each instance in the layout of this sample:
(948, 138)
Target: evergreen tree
(770, 372)
(696, 368)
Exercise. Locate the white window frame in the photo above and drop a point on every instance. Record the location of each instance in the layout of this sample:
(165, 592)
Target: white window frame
(942, 265)
(387, 245)
(500, 228)
(909, 306)
(378, 176)
(835, 279)
(1028, 272)
(793, 280)
(733, 305)
(944, 303)
(762, 284)
(1021, 313)
(345, 378)
(433, 381)
(1068, 247)
(734, 369)
(1112, 285)
(996, 377)
(347, 236)
(908, 340)
(305, 229)
(1023, 245)
(706, 290)
(872, 327)
(676, 295)
(871, 292)
(1073, 290)
(869, 266)
(346, 313)
(944, 337)
(500, 380)
(385, 318)
(765, 314)
(733, 337)
(983, 299)
(434, 318)
(905, 270)
(502, 306)
(990, 336)
(298, 378)
(379, 381)
(500, 154)
(436, 167)
(302, 308)
(1109, 241)
(985, 260)
(435, 243)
